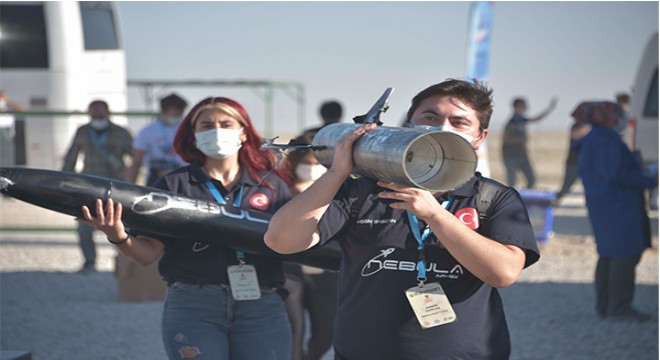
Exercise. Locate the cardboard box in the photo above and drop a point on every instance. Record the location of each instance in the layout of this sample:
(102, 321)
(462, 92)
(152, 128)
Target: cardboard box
(136, 282)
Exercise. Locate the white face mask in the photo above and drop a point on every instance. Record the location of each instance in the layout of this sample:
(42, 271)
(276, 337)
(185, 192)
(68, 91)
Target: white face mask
(219, 143)
(308, 172)
(467, 137)
(99, 123)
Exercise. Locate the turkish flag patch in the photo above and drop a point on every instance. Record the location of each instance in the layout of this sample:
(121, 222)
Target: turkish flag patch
(469, 217)
(259, 201)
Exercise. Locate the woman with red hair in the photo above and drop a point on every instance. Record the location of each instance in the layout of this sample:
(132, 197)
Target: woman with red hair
(220, 303)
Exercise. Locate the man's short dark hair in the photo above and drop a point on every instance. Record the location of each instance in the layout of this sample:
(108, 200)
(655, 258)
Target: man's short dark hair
(475, 94)
(622, 98)
(173, 101)
(331, 112)
(99, 102)
(518, 102)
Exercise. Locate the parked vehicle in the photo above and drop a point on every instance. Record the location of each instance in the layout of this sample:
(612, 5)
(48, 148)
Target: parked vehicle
(642, 133)
(59, 56)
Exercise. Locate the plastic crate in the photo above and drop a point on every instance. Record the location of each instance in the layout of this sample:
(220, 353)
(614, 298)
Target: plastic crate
(541, 212)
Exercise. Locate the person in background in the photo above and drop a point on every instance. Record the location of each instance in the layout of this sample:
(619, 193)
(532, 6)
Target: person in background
(202, 316)
(579, 129)
(152, 147)
(407, 242)
(623, 100)
(331, 112)
(309, 287)
(8, 145)
(514, 142)
(614, 192)
(105, 147)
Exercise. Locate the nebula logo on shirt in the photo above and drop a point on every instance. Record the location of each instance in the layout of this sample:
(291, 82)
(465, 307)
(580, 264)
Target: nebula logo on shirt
(380, 262)
(259, 201)
(469, 217)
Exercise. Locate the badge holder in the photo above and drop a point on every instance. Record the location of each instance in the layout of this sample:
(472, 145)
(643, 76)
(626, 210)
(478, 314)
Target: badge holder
(428, 301)
(430, 305)
(243, 281)
(242, 277)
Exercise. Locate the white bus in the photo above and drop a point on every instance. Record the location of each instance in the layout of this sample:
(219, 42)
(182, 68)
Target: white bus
(58, 56)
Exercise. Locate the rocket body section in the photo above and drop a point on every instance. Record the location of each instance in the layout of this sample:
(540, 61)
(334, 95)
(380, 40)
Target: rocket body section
(155, 212)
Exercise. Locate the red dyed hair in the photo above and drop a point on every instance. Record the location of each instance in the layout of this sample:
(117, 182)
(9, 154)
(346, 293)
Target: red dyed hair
(250, 154)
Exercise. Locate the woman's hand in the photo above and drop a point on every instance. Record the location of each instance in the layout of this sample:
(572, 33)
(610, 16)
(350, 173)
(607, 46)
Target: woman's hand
(419, 202)
(110, 222)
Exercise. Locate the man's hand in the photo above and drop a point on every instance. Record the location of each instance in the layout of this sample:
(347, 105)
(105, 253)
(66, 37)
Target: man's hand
(342, 161)
(420, 202)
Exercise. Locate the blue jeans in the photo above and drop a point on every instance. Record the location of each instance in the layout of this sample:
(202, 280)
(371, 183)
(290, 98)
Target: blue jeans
(205, 322)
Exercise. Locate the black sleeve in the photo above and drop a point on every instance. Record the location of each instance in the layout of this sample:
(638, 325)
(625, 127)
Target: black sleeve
(509, 223)
(335, 219)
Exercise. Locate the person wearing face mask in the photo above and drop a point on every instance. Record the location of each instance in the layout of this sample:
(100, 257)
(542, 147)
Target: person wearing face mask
(105, 146)
(310, 288)
(152, 147)
(8, 128)
(420, 270)
(220, 303)
(614, 185)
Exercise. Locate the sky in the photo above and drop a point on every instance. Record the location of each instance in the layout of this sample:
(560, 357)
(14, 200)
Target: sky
(352, 51)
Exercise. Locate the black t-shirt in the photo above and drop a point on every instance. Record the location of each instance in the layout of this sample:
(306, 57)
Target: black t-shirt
(515, 134)
(197, 262)
(374, 319)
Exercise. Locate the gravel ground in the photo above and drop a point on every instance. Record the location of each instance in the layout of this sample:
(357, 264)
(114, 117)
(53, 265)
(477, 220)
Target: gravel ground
(54, 313)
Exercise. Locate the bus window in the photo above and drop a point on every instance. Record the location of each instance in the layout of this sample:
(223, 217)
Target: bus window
(23, 41)
(98, 23)
(651, 104)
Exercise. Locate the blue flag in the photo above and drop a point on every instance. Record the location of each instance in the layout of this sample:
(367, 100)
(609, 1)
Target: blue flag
(479, 33)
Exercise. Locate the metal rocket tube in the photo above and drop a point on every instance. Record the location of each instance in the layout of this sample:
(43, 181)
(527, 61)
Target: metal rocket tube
(155, 212)
(431, 160)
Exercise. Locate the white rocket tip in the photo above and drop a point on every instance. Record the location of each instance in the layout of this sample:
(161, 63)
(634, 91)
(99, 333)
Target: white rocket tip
(5, 183)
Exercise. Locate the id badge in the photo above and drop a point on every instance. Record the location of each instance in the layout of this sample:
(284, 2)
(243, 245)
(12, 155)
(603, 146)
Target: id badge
(430, 305)
(243, 282)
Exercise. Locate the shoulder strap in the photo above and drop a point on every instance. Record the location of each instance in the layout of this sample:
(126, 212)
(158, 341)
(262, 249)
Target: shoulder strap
(360, 189)
(489, 191)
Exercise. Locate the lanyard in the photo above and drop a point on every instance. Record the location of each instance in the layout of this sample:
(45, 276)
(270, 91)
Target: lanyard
(166, 147)
(99, 139)
(420, 237)
(240, 256)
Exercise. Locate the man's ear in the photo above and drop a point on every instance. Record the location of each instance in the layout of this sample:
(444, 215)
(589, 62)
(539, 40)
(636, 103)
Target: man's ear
(481, 139)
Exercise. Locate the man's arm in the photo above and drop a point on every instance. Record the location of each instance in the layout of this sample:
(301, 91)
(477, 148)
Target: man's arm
(546, 112)
(134, 169)
(294, 227)
(71, 156)
(496, 264)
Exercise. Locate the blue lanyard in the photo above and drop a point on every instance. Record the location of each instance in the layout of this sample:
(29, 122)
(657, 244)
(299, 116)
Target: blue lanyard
(420, 237)
(240, 256)
(99, 140)
(168, 140)
(220, 199)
